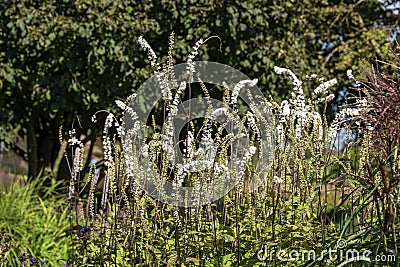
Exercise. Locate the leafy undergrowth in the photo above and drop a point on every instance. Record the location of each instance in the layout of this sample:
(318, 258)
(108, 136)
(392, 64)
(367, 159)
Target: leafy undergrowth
(34, 225)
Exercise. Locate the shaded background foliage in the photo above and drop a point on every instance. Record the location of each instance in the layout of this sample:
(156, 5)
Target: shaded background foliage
(65, 58)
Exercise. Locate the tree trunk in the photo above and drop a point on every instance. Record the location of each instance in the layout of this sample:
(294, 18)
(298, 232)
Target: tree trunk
(32, 151)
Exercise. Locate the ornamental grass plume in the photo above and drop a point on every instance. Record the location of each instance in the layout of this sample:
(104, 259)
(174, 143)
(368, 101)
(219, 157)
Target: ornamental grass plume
(376, 113)
(382, 92)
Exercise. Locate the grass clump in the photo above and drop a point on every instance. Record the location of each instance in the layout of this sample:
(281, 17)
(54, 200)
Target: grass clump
(34, 225)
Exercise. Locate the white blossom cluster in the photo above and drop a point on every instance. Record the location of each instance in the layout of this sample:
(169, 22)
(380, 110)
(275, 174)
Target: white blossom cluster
(239, 86)
(195, 50)
(347, 114)
(293, 113)
(352, 112)
(296, 81)
(201, 163)
(177, 98)
(77, 161)
(296, 114)
(207, 149)
(107, 141)
(323, 87)
(132, 114)
(350, 75)
(160, 74)
(150, 52)
(252, 123)
(243, 162)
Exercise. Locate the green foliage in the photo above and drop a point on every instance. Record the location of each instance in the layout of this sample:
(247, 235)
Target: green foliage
(37, 221)
(58, 57)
